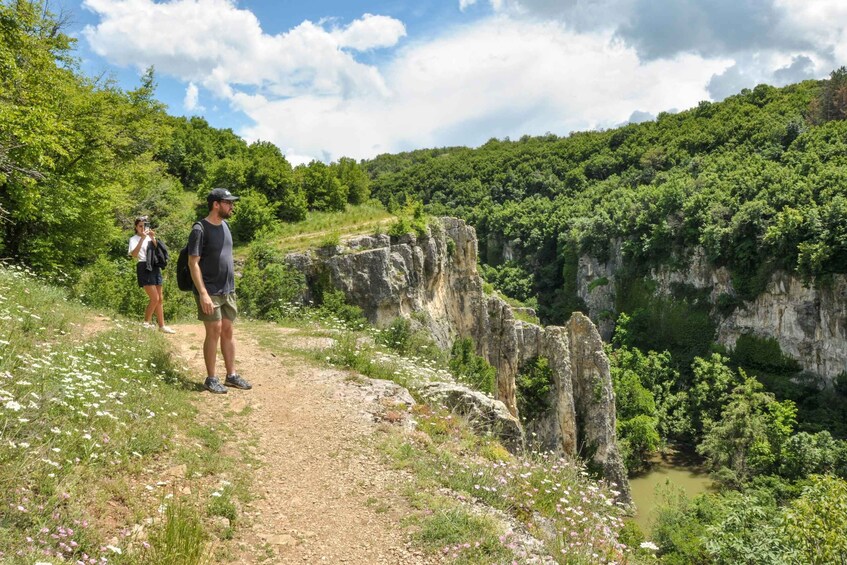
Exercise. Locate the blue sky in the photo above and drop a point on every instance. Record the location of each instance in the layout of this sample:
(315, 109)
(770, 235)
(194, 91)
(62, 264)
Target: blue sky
(325, 79)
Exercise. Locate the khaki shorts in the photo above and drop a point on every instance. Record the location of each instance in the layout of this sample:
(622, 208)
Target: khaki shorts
(225, 307)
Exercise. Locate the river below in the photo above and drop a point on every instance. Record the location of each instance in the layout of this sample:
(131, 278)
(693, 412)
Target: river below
(675, 469)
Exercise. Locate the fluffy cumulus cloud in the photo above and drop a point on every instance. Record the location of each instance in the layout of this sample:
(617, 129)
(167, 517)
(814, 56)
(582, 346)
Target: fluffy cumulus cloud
(514, 67)
(497, 78)
(772, 41)
(370, 32)
(215, 44)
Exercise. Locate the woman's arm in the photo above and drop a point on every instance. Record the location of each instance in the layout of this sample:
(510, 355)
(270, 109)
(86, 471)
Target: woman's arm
(134, 252)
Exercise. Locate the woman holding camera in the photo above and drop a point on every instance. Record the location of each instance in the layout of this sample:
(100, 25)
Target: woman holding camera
(150, 280)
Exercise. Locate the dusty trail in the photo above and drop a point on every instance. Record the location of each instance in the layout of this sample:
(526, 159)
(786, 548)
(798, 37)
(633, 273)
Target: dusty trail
(324, 495)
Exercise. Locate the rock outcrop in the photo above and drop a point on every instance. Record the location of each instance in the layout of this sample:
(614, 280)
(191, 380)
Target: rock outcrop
(808, 320)
(435, 278)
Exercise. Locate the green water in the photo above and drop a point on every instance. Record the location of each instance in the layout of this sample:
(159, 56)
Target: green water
(673, 469)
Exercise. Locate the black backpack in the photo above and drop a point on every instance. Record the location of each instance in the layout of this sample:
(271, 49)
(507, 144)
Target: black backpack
(183, 273)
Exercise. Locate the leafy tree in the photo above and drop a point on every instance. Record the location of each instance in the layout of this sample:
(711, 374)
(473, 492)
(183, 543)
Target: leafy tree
(831, 103)
(270, 174)
(69, 147)
(534, 385)
(323, 190)
(255, 214)
(814, 524)
(747, 531)
(750, 436)
(354, 180)
(713, 382)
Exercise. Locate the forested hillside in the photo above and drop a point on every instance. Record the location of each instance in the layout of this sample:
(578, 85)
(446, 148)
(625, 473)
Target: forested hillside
(757, 180)
(757, 184)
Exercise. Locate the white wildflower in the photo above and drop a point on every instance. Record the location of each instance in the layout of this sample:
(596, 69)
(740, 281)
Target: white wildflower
(13, 406)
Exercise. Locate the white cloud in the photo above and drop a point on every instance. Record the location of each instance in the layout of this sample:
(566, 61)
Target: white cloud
(530, 67)
(370, 32)
(499, 77)
(192, 96)
(216, 44)
(820, 22)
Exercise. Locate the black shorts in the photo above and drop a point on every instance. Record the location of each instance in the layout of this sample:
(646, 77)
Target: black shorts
(147, 278)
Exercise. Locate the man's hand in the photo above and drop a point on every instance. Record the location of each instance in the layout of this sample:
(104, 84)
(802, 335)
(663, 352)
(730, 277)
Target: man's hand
(206, 304)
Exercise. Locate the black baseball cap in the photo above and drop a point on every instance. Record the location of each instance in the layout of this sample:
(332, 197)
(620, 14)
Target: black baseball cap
(218, 194)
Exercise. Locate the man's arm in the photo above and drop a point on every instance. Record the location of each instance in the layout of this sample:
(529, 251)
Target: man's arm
(197, 276)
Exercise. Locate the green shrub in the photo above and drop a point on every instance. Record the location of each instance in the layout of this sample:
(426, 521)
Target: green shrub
(679, 528)
(334, 305)
(598, 282)
(268, 287)
(332, 239)
(840, 383)
(397, 336)
(470, 368)
(534, 383)
(511, 279)
(410, 219)
(763, 353)
(111, 284)
(254, 214)
(451, 248)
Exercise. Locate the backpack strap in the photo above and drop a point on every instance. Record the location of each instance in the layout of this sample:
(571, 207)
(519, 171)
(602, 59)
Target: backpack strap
(202, 227)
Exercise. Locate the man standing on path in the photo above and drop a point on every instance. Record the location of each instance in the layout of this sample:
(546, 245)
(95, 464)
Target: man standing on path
(212, 270)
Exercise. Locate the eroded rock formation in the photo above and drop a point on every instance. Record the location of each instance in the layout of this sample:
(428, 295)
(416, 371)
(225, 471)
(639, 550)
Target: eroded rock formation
(808, 320)
(435, 278)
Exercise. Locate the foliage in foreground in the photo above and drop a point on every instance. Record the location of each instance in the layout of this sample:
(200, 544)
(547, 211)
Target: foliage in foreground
(78, 419)
(753, 527)
(546, 493)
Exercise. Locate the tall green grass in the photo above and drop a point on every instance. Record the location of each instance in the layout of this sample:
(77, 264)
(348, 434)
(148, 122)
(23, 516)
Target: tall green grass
(80, 407)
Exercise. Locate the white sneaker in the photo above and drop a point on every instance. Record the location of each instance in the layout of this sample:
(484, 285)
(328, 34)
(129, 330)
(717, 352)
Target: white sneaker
(167, 330)
(148, 325)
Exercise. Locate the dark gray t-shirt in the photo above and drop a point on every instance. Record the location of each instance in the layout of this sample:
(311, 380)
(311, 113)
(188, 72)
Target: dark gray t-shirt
(215, 256)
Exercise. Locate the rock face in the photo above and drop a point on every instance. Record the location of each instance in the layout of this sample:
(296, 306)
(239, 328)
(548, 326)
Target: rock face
(484, 413)
(434, 278)
(808, 321)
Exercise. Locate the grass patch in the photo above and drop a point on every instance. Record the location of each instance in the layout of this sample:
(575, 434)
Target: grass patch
(462, 536)
(180, 540)
(447, 455)
(318, 226)
(91, 411)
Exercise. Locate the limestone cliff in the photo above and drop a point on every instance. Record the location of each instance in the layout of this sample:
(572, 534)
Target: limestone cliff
(808, 320)
(435, 277)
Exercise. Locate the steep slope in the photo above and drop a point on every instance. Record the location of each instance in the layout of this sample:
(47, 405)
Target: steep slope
(435, 278)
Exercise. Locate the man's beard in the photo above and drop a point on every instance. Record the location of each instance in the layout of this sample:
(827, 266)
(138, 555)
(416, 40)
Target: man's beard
(225, 213)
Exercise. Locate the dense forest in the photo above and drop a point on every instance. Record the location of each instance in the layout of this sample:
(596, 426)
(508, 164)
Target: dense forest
(758, 182)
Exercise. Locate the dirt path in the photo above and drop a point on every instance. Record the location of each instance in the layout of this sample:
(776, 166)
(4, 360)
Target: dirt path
(323, 494)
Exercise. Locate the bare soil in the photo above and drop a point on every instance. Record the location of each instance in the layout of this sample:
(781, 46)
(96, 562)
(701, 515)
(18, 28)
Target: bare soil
(324, 493)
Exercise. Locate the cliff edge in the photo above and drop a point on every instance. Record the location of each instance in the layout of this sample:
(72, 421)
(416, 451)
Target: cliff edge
(435, 277)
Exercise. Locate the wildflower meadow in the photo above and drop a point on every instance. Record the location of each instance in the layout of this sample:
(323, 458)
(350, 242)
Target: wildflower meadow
(84, 406)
